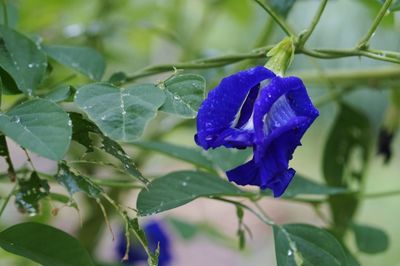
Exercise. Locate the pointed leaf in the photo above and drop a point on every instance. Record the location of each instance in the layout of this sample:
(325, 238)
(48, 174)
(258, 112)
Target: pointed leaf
(82, 59)
(44, 244)
(121, 114)
(178, 188)
(184, 94)
(22, 59)
(59, 93)
(77, 183)
(40, 126)
(302, 244)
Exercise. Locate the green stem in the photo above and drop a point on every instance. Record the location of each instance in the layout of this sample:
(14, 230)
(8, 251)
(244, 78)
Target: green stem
(350, 76)
(381, 194)
(363, 43)
(276, 17)
(260, 216)
(5, 12)
(220, 61)
(7, 199)
(116, 183)
(314, 22)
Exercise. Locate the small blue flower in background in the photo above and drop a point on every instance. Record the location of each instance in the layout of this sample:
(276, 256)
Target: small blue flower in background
(156, 234)
(256, 108)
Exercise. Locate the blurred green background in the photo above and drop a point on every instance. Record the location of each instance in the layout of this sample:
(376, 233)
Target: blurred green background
(133, 34)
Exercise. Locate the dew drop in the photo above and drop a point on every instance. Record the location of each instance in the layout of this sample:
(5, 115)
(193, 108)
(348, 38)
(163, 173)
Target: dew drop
(176, 97)
(184, 184)
(31, 65)
(70, 123)
(290, 252)
(123, 112)
(15, 119)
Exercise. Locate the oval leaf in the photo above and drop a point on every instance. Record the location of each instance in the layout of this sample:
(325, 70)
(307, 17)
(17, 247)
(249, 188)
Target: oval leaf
(184, 94)
(302, 244)
(85, 60)
(21, 59)
(40, 126)
(44, 244)
(121, 114)
(178, 188)
(370, 239)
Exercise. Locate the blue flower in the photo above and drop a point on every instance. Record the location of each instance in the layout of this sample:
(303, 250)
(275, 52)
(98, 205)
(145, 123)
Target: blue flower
(156, 234)
(256, 108)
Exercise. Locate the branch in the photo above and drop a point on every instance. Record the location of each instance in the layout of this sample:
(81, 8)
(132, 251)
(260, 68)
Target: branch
(314, 22)
(276, 18)
(363, 43)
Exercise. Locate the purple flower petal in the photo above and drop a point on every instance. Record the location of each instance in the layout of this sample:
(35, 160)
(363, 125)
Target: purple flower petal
(218, 112)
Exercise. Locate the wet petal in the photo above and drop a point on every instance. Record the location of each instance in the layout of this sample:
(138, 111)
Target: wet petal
(218, 112)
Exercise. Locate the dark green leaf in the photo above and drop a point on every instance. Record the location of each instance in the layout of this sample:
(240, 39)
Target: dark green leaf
(121, 114)
(370, 239)
(40, 126)
(45, 245)
(118, 78)
(302, 244)
(351, 132)
(77, 183)
(281, 6)
(21, 59)
(30, 192)
(191, 155)
(60, 93)
(81, 129)
(82, 59)
(184, 94)
(178, 188)
(140, 234)
(112, 147)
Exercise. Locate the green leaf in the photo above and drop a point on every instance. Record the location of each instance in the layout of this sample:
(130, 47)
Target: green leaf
(227, 159)
(112, 147)
(60, 93)
(30, 192)
(140, 234)
(74, 183)
(21, 59)
(304, 186)
(370, 239)
(81, 129)
(347, 146)
(178, 188)
(44, 244)
(281, 6)
(40, 126)
(121, 114)
(302, 244)
(185, 229)
(82, 59)
(191, 155)
(12, 13)
(184, 94)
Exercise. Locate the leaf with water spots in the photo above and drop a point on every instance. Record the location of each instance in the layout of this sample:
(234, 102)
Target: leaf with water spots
(121, 114)
(85, 60)
(30, 192)
(74, 183)
(178, 188)
(40, 126)
(21, 59)
(184, 94)
(306, 245)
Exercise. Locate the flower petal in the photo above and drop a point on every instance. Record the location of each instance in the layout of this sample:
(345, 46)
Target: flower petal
(218, 112)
